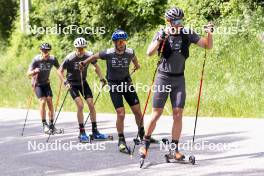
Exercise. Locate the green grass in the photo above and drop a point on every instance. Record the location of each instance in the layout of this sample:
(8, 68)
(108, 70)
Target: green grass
(233, 80)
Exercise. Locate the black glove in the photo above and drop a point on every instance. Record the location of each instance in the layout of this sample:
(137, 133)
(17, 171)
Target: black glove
(81, 65)
(103, 81)
(161, 35)
(67, 84)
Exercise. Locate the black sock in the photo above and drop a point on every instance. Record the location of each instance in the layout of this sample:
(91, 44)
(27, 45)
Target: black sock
(51, 121)
(121, 135)
(44, 122)
(141, 132)
(176, 142)
(94, 127)
(81, 126)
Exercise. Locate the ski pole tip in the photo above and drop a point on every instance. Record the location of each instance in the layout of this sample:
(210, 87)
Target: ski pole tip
(131, 156)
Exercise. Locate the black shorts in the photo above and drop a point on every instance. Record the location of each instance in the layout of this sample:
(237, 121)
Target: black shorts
(129, 94)
(43, 91)
(177, 91)
(75, 89)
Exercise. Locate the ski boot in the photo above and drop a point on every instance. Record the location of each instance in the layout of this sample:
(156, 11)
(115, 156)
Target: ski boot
(101, 137)
(174, 154)
(54, 130)
(122, 146)
(46, 128)
(83, 138)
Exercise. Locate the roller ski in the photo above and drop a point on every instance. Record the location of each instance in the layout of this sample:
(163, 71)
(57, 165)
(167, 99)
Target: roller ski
(83, 138)
(97, 136)
(143, 155)
(53, 130)
(138, 141)
(123, 147)
(177, 157)
(143, 152)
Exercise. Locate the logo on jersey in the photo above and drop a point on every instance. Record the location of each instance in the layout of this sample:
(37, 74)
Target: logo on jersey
(45, 66)
(76, 66)
(120, 63)
(175, 43)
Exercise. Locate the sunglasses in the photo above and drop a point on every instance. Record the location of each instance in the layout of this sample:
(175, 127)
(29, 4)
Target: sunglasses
(177, 21)
(45, 51)
(80, 49)
(121, 42)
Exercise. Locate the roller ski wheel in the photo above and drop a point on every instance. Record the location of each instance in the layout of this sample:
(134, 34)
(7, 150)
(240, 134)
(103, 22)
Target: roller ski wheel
(101, 137)
(143, 154)
(192, 159)
(83, 138)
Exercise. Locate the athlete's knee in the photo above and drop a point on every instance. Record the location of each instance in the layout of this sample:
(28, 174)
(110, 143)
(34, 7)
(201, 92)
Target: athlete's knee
(177, 114)
(156, 113)
(120, 113)
(49, 101)
(80, 106)
(90, 103)
(136, 110)
(43, 101)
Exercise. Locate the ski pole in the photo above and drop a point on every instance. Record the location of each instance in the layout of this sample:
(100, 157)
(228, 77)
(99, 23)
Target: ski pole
(58, 99)
(94, 105)
(149, 93)
(200, 93)
(59, 111)
(29, 103)
(81, 74)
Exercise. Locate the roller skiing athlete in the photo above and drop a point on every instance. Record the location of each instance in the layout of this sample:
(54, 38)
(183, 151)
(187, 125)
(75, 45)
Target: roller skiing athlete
(39, 70)
(175, 40)
(118, 60)
(77, 84)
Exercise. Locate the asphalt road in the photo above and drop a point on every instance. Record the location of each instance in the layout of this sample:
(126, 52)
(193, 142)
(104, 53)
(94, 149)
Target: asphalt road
(224, 146)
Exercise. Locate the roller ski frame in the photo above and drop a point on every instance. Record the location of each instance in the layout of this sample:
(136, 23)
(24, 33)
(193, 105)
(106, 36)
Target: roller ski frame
(109, 138)
(57, 131)
(172, 156)
(138, 141)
